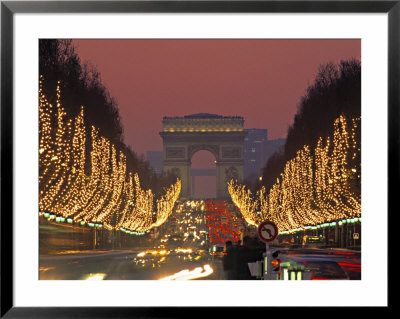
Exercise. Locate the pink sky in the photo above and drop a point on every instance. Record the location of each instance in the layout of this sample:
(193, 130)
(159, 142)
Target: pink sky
(261, 80)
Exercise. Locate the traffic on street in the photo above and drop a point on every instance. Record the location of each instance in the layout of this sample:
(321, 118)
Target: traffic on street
(204, 240)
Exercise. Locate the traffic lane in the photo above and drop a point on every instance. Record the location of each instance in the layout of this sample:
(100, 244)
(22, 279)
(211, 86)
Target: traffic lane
(79, 266)
(120, 266)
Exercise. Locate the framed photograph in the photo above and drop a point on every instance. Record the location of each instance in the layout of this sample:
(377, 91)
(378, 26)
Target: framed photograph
(181, 140)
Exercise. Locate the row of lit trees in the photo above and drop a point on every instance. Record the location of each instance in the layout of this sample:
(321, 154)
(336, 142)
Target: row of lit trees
(95, 189)
(314, 188)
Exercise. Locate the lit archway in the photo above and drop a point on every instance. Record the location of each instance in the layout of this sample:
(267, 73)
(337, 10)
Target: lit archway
(223, 136)
(203, 174)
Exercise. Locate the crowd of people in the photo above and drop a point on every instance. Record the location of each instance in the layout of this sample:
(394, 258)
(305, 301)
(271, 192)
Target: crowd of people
(236, 258)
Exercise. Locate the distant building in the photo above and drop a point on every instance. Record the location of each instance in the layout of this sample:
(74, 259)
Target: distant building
(258, 149)
(155, 159)
(254, 144)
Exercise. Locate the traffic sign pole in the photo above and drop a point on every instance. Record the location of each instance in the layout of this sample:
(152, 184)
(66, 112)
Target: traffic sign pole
(267, 232)
(267, 266)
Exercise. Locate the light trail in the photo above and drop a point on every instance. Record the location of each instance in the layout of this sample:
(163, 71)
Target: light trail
(186, 274)
(99, 276)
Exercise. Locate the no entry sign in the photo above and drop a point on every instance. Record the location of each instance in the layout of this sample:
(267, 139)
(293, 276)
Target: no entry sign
(267, 231)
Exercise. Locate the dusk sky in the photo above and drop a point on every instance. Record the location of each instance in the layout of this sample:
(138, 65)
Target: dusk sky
(261, 80)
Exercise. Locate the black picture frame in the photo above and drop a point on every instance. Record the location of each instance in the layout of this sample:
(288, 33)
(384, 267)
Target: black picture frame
(9, 8)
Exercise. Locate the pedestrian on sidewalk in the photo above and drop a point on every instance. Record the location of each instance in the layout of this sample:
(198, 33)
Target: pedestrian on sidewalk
(229, 260)
(248, 253)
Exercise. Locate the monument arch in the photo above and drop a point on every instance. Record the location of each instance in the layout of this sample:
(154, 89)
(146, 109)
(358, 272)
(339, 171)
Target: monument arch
(223, 136)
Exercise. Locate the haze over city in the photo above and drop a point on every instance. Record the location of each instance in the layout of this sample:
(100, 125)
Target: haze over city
(261, 80)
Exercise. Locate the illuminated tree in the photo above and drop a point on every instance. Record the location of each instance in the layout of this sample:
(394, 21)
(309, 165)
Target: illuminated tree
(312, 189)
(109, 195)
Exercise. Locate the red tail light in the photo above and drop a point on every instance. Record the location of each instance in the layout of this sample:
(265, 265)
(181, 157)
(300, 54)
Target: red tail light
(275, 262)
(318, 278)
(349, 264)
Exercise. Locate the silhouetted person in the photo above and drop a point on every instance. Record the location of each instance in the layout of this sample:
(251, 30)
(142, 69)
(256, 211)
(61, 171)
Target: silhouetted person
(229, 260)
(248, 253)
(258, 244)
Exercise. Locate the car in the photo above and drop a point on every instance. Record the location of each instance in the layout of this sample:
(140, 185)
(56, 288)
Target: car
(218, 250)
(324, 270)
(348, 260)
(317, 267)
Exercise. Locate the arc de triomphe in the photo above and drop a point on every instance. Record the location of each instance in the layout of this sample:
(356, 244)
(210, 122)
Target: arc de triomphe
(223, 136)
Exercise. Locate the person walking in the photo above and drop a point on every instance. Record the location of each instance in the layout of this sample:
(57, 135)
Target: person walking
(248, 253)
(229, 260)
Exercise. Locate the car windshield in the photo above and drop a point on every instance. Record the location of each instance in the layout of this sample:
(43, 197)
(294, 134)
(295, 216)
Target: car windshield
(325, 270)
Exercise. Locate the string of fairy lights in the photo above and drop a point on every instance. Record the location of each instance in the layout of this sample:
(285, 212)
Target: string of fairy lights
(108, 196)
(313, 189)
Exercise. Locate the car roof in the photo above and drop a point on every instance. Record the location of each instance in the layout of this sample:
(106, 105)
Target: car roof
(309, 258)
(316, 251)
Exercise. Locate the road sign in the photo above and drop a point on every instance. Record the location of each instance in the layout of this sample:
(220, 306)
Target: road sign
(356, 236)
(267, 231)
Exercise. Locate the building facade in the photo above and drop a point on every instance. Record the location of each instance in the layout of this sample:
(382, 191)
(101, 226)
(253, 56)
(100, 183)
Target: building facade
(258, 149)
